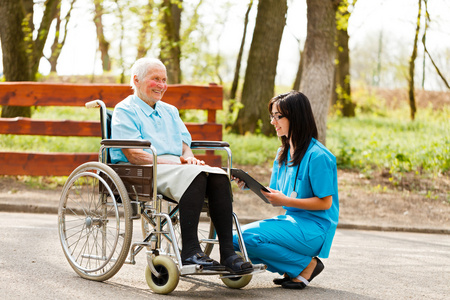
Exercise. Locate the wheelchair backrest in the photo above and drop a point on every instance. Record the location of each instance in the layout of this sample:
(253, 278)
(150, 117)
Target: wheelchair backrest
(106, 128)
(106, 131)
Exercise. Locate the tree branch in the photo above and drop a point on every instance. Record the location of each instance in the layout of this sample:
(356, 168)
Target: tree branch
(436, 67)
(49, 14)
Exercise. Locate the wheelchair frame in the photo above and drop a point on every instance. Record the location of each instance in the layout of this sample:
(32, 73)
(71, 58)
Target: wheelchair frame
(96, 230)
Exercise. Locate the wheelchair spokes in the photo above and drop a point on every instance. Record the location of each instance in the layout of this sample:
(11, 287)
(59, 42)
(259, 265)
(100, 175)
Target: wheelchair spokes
(95, 228)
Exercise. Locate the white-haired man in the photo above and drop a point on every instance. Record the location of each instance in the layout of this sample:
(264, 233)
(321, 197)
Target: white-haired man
(181, 176)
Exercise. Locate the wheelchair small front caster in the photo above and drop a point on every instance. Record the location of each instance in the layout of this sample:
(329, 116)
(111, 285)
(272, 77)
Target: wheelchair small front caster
(237, 282)
(169, 275)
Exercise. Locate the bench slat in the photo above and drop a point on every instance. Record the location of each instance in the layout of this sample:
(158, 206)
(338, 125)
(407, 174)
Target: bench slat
(57, 164)
(42, 164)
(27, 126)
(64, 94)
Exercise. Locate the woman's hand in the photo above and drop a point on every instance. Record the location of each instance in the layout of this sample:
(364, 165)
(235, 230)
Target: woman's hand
(275, 197)
(191, 161)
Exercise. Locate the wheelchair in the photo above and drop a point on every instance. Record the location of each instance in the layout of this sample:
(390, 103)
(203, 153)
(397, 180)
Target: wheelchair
(99, 203)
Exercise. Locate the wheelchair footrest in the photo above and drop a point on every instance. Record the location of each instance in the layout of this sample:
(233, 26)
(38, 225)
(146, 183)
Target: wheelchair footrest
(197, 270)
(191, 269)
(259, 268)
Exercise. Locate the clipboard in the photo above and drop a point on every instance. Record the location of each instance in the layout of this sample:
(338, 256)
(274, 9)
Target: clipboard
(250, 182)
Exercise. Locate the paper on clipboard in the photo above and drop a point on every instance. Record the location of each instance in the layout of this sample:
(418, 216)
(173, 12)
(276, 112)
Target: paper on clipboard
(250, 182)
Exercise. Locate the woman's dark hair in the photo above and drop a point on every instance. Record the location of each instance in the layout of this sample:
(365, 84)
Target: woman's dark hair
(296, 107)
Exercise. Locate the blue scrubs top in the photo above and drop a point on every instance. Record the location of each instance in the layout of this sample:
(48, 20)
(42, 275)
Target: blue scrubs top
(317, 176)
(162, 126)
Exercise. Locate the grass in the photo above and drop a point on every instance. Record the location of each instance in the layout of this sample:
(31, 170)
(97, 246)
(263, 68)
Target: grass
(371, 142)
(252, 149)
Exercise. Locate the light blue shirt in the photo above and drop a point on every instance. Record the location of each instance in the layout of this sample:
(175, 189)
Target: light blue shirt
(317, 176)
(162, 126)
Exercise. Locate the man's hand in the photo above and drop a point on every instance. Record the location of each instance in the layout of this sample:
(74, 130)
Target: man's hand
(241, 183)
(191, 161)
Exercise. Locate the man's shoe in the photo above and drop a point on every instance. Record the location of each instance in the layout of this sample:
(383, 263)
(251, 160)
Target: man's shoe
(236, 265)
(205, 261)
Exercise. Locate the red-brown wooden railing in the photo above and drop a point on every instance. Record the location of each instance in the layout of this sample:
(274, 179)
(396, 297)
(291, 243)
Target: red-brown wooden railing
(207, 98)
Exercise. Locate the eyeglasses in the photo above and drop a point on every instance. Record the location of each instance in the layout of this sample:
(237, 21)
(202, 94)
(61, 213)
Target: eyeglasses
(276, 117)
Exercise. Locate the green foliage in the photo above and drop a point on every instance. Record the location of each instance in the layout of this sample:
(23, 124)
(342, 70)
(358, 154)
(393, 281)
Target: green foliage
(227, 116)
(52, 143)
(252, 149)
(376, 143)
(42, 182)
(342, 15)
(48, 143)
(66, 113)
(369, 103)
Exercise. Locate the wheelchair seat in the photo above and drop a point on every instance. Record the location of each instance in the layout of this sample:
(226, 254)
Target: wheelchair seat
(137, 179)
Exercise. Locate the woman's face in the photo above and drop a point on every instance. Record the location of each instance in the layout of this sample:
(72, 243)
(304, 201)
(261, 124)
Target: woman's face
(152, 87)
(280, 122)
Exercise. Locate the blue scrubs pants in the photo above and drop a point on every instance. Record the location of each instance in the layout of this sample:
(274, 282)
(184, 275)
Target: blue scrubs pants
(284, 243)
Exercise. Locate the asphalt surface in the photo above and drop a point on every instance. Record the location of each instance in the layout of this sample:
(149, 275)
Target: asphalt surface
(365, 263)
(362, 265)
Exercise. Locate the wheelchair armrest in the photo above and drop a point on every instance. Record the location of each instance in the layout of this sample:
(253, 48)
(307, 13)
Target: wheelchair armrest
(126, 143)
(213, 144)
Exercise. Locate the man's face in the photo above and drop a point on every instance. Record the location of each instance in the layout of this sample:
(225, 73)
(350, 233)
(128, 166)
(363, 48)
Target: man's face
(152, 87)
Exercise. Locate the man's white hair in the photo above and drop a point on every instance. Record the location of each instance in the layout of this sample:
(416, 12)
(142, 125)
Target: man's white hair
(141, 67)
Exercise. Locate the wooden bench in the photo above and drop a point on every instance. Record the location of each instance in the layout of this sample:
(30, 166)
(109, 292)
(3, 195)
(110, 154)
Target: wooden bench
(207, 98)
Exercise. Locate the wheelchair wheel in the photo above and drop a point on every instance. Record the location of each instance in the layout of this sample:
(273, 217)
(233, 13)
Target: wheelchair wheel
(166, 243)
(95, 225)
(169, 278)
(237, 282)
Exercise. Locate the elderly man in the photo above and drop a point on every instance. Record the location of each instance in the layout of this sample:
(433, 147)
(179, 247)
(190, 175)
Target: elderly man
(181, 176)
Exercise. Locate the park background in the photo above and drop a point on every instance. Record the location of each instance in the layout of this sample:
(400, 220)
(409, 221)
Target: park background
(392, 170)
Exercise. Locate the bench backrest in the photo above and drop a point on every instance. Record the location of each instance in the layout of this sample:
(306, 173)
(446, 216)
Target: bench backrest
(207, 98)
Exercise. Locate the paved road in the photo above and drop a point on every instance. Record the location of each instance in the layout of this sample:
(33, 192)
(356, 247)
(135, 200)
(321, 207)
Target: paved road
(362, 265)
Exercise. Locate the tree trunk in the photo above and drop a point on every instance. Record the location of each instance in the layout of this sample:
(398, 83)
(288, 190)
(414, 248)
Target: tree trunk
(319, 55)
(51, 9)
(260, 74)
(412, 99)
(343, 92)
(170, 39)
(103, 44)
(22, 53)
(122, 35)
(298, 77)
(56, 50)
(28, 6)
(341, 98)
(16, 65)
(234, 86)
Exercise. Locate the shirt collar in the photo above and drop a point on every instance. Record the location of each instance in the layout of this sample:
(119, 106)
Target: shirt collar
(147, 109)
(313, 142)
